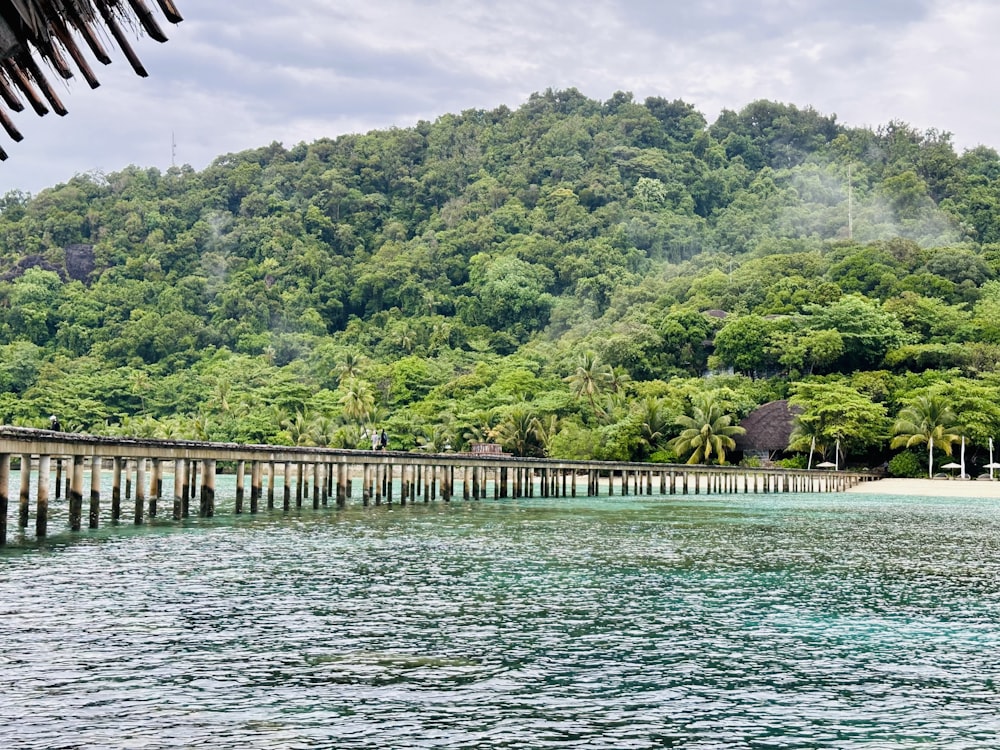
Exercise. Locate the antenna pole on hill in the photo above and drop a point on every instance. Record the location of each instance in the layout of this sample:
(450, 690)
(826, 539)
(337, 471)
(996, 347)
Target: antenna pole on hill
(850, 205)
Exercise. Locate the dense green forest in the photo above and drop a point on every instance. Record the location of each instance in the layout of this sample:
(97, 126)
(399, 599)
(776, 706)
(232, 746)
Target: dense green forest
(573, 278)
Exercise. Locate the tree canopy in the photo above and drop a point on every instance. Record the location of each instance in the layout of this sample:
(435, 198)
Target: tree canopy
(566, 277)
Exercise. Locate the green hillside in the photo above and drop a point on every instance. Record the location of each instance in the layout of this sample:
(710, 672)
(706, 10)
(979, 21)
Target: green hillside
(559, 278)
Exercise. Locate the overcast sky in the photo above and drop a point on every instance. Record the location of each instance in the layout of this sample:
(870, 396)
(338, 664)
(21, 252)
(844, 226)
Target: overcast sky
(238, 75)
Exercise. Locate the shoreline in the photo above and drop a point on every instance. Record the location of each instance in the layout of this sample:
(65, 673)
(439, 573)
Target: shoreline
(930, 488)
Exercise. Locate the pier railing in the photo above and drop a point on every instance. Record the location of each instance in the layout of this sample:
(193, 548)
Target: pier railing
(301, 474)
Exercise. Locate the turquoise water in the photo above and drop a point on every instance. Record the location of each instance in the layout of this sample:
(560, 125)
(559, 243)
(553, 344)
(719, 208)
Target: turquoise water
(796, 621)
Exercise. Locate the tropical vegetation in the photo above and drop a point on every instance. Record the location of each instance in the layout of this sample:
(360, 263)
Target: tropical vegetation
(567, 278)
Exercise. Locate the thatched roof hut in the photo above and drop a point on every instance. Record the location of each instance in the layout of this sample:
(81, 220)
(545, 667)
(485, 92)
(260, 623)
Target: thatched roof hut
(41, 35)
(768, 428)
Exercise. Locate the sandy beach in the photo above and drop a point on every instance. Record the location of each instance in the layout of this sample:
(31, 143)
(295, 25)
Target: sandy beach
(931, 487)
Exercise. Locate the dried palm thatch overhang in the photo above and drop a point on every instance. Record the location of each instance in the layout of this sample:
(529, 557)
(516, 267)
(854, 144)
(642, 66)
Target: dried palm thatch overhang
(40, 37)
(768, 428)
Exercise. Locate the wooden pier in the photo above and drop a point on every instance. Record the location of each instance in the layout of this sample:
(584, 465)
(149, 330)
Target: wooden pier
(325, 476)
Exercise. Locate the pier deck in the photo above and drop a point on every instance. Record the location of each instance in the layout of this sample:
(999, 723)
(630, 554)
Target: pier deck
(325, 475)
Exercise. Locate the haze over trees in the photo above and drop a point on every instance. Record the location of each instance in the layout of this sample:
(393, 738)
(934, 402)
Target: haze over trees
(559, 278)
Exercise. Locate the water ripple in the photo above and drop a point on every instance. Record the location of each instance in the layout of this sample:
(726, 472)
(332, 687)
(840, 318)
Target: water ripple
(731, 622)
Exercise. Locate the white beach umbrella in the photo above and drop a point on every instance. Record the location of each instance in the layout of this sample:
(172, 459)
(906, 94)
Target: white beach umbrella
(951, 465)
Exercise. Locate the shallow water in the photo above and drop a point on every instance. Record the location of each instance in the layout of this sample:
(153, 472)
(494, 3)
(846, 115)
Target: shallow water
(795, 621)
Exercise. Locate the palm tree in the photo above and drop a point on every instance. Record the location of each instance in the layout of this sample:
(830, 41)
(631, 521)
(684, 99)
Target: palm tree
(808, 434)
(927, 420)
(590, 377)
(519, 430)
(479, 426)
(707, 431)
(548, 428)
(297, 428)
(350, 366)
(323, 431)
(654, 421)
(202, 426)
(139, 385)
(358, 401)
(436, 438)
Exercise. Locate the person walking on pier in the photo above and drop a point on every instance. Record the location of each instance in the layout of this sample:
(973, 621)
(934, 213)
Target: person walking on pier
(375, 440)
(383, 441)
(54, 424)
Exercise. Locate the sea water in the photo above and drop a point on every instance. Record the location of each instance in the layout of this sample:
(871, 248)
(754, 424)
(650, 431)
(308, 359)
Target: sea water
(722, 621)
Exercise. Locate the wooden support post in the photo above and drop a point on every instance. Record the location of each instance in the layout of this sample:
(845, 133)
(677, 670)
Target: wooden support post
(59, 478)
(25, 496)
(4, 489)
(75, 494)
(342, 485)
(116, 489)
(128, 479)
(191, 468)
(241, 472)
(42, 507)
(286, 487)
(271, 485)
(95, 492)
(324, 492)
(255, 485)
(155, 485)
(316, 485)
(208, 487)
(405, 471)
(140, 489)
(179, 486)
(366, 484)
(300, 474)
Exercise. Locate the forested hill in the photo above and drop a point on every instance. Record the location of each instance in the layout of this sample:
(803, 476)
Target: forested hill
(557, 278)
